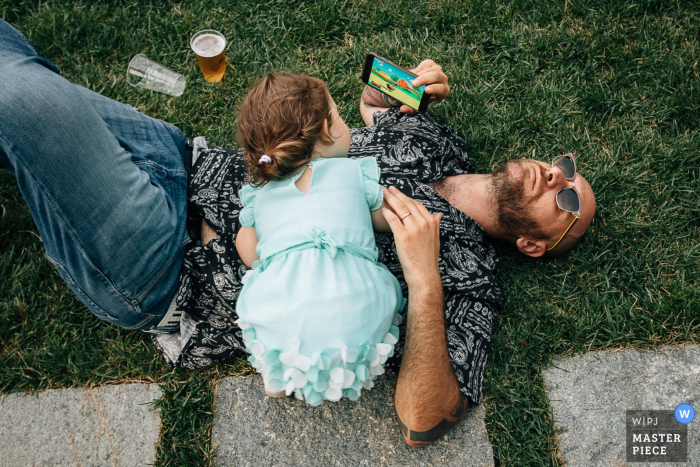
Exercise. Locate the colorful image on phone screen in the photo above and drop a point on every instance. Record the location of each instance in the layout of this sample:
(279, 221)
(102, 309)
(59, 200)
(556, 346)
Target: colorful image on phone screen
(395, 82)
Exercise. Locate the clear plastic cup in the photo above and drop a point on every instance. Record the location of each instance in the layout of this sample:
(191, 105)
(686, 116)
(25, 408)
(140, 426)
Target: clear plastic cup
(145, 73)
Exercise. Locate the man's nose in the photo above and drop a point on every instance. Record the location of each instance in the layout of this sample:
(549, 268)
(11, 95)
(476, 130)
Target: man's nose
(556, 179)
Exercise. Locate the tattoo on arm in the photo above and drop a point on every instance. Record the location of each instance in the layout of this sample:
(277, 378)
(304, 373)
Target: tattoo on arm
(374, 98)
(431, 435)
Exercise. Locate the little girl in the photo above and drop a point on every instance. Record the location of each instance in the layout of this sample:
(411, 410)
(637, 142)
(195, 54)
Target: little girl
(317, 311)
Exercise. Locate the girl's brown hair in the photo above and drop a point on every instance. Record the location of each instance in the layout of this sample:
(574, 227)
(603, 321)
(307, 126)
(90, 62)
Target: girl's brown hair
(282, 116)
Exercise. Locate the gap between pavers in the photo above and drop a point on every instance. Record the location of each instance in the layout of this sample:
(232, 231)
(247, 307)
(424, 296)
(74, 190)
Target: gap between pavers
(106, 426)
(251, 429)
(590, 393)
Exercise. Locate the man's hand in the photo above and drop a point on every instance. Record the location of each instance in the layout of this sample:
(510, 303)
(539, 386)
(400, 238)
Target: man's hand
(417, 237)
(431, 74)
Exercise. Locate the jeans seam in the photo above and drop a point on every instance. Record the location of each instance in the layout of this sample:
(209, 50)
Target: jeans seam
(58, 265)
(184, 241)
(110, 318)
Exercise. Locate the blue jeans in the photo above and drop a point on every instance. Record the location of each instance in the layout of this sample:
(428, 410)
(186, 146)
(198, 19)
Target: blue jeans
(106, 186)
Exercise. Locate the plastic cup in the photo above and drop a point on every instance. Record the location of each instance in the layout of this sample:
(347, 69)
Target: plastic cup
(210, 48)
(145, 73)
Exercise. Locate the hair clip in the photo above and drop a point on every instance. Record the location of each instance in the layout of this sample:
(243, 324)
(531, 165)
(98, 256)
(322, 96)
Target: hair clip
(266, 159)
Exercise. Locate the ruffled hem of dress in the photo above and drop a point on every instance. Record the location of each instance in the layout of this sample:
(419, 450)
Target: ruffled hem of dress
(329, 375)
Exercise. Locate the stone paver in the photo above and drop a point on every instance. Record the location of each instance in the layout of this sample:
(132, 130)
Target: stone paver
(251, 429)
(107, 426)
(590, 393)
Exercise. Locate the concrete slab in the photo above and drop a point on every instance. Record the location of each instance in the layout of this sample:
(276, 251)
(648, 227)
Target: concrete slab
(107, 426)
(251, 429)
(590, 394)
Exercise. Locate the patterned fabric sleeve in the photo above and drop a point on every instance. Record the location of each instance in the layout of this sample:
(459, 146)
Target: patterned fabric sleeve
(468, 327)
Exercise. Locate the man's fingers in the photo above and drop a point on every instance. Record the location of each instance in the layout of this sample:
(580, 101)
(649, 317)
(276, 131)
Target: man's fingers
(422, 210)
(419, 214)
(432, 76)
(437, 91)
(394, 222)
(437, 217)
(424, 65)
(424, 215)
(400, 203)
(396, 199)
(407, 110)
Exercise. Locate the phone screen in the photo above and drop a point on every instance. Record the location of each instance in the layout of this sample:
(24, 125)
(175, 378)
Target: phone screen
(394, 81)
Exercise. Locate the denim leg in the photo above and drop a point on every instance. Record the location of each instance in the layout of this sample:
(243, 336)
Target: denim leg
(105, 184)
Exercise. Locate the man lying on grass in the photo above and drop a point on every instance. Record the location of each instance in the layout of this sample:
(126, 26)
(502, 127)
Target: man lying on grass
(107, 188)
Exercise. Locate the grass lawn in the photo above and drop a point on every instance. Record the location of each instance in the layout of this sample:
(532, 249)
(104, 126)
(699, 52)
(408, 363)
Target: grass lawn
(616, 82)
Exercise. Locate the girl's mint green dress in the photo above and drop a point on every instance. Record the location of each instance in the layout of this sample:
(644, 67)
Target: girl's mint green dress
(317, 312)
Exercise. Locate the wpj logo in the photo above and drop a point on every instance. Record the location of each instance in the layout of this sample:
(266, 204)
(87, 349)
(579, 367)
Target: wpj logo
(658, 435)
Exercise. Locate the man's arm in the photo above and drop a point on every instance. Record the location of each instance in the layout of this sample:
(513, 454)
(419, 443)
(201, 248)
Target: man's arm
(207, 233)
(429, 73)
(428, 401)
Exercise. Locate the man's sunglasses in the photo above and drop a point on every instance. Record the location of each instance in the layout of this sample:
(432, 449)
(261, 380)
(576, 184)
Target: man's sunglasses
(567, 198)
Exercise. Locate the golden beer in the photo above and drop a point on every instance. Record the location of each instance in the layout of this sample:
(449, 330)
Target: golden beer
(210, 48)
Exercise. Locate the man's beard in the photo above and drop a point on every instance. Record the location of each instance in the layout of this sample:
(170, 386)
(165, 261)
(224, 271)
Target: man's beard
(514, 207)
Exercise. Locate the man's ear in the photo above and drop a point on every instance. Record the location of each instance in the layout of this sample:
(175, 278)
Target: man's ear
(532, 248)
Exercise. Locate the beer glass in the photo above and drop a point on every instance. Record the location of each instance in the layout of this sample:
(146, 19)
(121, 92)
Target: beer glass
(209, 46)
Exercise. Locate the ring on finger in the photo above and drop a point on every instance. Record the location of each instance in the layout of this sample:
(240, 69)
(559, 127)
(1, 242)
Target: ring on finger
(405, 215)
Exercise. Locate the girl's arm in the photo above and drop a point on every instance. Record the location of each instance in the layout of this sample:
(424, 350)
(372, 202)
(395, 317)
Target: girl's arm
(246, 242)
(378, 221)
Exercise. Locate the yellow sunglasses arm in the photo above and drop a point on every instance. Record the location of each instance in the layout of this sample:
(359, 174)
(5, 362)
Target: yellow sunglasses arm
(566, 232)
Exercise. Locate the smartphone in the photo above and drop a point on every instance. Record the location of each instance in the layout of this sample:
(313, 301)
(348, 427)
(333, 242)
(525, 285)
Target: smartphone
(394, 81)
